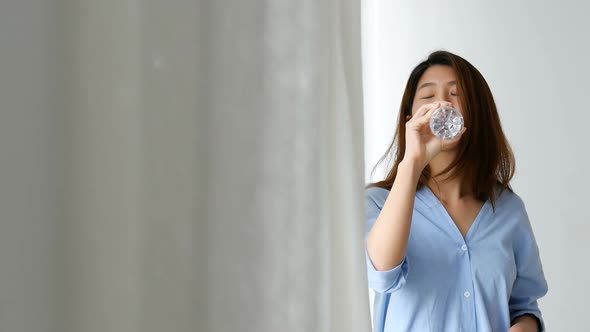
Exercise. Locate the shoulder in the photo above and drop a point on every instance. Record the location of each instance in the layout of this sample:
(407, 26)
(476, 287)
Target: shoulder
(511, 209)
(510, 202)
(376, 195)
(374, 200)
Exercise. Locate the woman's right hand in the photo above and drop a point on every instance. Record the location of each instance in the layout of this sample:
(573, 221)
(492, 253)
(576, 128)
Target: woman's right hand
(421, 144)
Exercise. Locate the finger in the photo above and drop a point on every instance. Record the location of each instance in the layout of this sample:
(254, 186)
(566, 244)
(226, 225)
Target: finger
(426, 117)
(429, 112)
(425, 108)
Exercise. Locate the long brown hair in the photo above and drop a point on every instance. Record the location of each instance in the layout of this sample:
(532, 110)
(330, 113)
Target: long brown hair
(484, 158)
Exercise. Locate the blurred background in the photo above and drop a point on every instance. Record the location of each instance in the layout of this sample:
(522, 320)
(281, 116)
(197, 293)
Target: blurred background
(181, 166)
(199, 165)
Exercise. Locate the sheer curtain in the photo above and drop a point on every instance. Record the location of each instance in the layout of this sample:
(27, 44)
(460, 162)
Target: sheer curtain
(213, 166)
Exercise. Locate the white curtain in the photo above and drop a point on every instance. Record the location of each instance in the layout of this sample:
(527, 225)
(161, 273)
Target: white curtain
(213, 166)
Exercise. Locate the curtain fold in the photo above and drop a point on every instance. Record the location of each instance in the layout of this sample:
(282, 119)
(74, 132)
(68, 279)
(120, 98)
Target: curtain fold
(215, 166)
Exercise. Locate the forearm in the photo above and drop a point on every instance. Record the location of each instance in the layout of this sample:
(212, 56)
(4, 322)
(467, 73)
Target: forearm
(525, 323)
(388, 239)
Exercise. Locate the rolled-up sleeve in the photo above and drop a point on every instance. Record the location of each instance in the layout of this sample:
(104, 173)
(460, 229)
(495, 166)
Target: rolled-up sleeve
(530, 283)
(381, 281)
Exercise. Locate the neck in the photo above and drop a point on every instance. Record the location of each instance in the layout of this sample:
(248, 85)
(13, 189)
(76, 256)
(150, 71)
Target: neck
(451, 190)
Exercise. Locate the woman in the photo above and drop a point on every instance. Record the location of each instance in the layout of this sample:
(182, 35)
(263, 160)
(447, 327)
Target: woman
(449, 246)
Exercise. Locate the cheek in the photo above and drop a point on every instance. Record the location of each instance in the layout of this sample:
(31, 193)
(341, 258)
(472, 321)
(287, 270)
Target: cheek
(458, 105)
(415, 107)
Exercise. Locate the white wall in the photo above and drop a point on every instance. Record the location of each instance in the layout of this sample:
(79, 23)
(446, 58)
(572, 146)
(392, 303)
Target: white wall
(534, 56)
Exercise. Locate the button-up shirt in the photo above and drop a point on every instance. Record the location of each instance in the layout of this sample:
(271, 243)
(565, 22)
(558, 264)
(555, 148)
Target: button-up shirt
(447, 282)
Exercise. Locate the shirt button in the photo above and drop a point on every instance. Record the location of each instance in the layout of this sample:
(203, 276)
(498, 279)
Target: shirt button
(464, 247)
(466, 294)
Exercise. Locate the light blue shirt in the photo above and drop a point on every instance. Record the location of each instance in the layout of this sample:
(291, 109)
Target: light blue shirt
(448, 283)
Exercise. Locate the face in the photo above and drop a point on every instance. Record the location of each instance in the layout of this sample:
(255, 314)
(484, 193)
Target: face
(438, 83)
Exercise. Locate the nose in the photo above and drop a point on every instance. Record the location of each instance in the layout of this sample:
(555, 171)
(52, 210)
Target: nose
(445, 103)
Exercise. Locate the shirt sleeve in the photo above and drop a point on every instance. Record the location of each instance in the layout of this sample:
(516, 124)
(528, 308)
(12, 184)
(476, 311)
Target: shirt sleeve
(381, 281)
(530, 283)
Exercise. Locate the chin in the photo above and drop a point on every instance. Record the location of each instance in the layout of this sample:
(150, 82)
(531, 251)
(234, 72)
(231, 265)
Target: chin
(451, 149)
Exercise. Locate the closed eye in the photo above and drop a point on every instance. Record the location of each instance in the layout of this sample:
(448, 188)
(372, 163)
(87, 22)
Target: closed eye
(428, 97)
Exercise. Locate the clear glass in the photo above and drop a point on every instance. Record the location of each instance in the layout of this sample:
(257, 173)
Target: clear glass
(446, 123)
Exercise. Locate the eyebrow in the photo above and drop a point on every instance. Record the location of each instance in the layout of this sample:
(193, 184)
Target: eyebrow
(432, 83)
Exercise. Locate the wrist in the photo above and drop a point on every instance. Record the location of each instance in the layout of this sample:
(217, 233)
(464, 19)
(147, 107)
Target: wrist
(525, 323)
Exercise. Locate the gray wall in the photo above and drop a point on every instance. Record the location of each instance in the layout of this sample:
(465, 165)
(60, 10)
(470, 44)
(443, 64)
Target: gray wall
(29, 164)
(534, 56)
